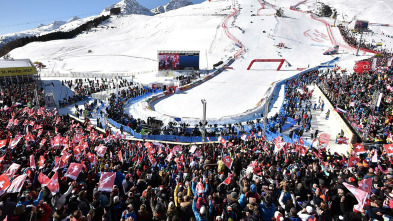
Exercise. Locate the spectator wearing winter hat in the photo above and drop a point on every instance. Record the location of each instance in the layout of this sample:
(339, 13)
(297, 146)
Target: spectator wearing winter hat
(306, 214)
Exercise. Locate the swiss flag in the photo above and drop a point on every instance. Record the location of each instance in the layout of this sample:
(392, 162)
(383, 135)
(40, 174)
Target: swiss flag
(389, 149)
(42, 162)
(230, 144)
(139, 145)
(73, 170)
(301, 141)
(148, 145)
(77, 151)
(358, 148)
(17, 184)
(223, 141)
(358, 193)
(40, 132)
(32, 162)
(302, 150)
(227, 161)
(43, 179)
(15, 141)
(153, 161)
(12, 169)
(227, 181)
(100, 150)
(3, 143)
(92, 158)
(56, 140)
(352, 161)
(53, 184)
(4, 183)
(152, 151)
(366, 184)
(177, 148)
(42, 142)
(106, 181)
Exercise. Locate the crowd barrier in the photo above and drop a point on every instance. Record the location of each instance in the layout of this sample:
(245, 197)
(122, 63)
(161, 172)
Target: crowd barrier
(272, 95)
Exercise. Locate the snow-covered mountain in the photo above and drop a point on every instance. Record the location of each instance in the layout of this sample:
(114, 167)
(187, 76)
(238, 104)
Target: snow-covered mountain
(172, 5)
(45, 29)
(128, 7)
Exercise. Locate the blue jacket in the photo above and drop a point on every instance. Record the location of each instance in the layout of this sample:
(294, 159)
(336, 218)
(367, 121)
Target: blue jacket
(267, 212)
(198, 217)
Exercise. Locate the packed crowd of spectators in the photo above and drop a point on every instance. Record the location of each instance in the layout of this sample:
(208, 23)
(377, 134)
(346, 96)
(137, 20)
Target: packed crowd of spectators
(232, 180)
(83, 88)
(351, 39)
(356, 96)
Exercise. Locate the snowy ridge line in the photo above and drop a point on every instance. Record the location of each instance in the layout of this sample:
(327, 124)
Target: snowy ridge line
(328, 28)
(230, 36)
(93, 74)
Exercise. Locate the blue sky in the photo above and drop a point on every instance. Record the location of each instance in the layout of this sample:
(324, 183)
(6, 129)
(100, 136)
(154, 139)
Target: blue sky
(19, 15)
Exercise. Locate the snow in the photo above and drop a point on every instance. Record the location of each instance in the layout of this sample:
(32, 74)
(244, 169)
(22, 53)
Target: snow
(128, 44)
(172, 5)
(42, 29)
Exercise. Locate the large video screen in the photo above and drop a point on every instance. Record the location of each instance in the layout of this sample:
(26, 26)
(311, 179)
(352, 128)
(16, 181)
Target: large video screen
(178, 61)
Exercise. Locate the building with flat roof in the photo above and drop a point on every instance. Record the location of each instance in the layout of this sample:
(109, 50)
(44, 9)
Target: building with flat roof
(17, 70)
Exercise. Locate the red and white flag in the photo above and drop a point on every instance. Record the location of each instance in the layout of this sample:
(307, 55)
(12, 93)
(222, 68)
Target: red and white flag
(169, 157)
(352, 161)
(42, 162)
(301, 141)
(243, 137)
(177, 148)
(15, 141)
(53, 184)
(17, 184)
(227, 161)
(32, 162)
(73, 170)
(302, 150)
(3, 143)
(107, 180)
(92, 158)
(148, 145)
(42, 142)
(153, 161)
(139, 145)
(359, 194)
(324, 139)
(100, 150)
(358, 148)
(227, 181)
(4, 183)
(43, 179)
(389, 149)
(223, 141)
(366, 184)
(12, 169)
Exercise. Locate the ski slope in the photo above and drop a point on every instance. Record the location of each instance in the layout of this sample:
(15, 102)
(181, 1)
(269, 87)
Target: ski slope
(220, 30)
